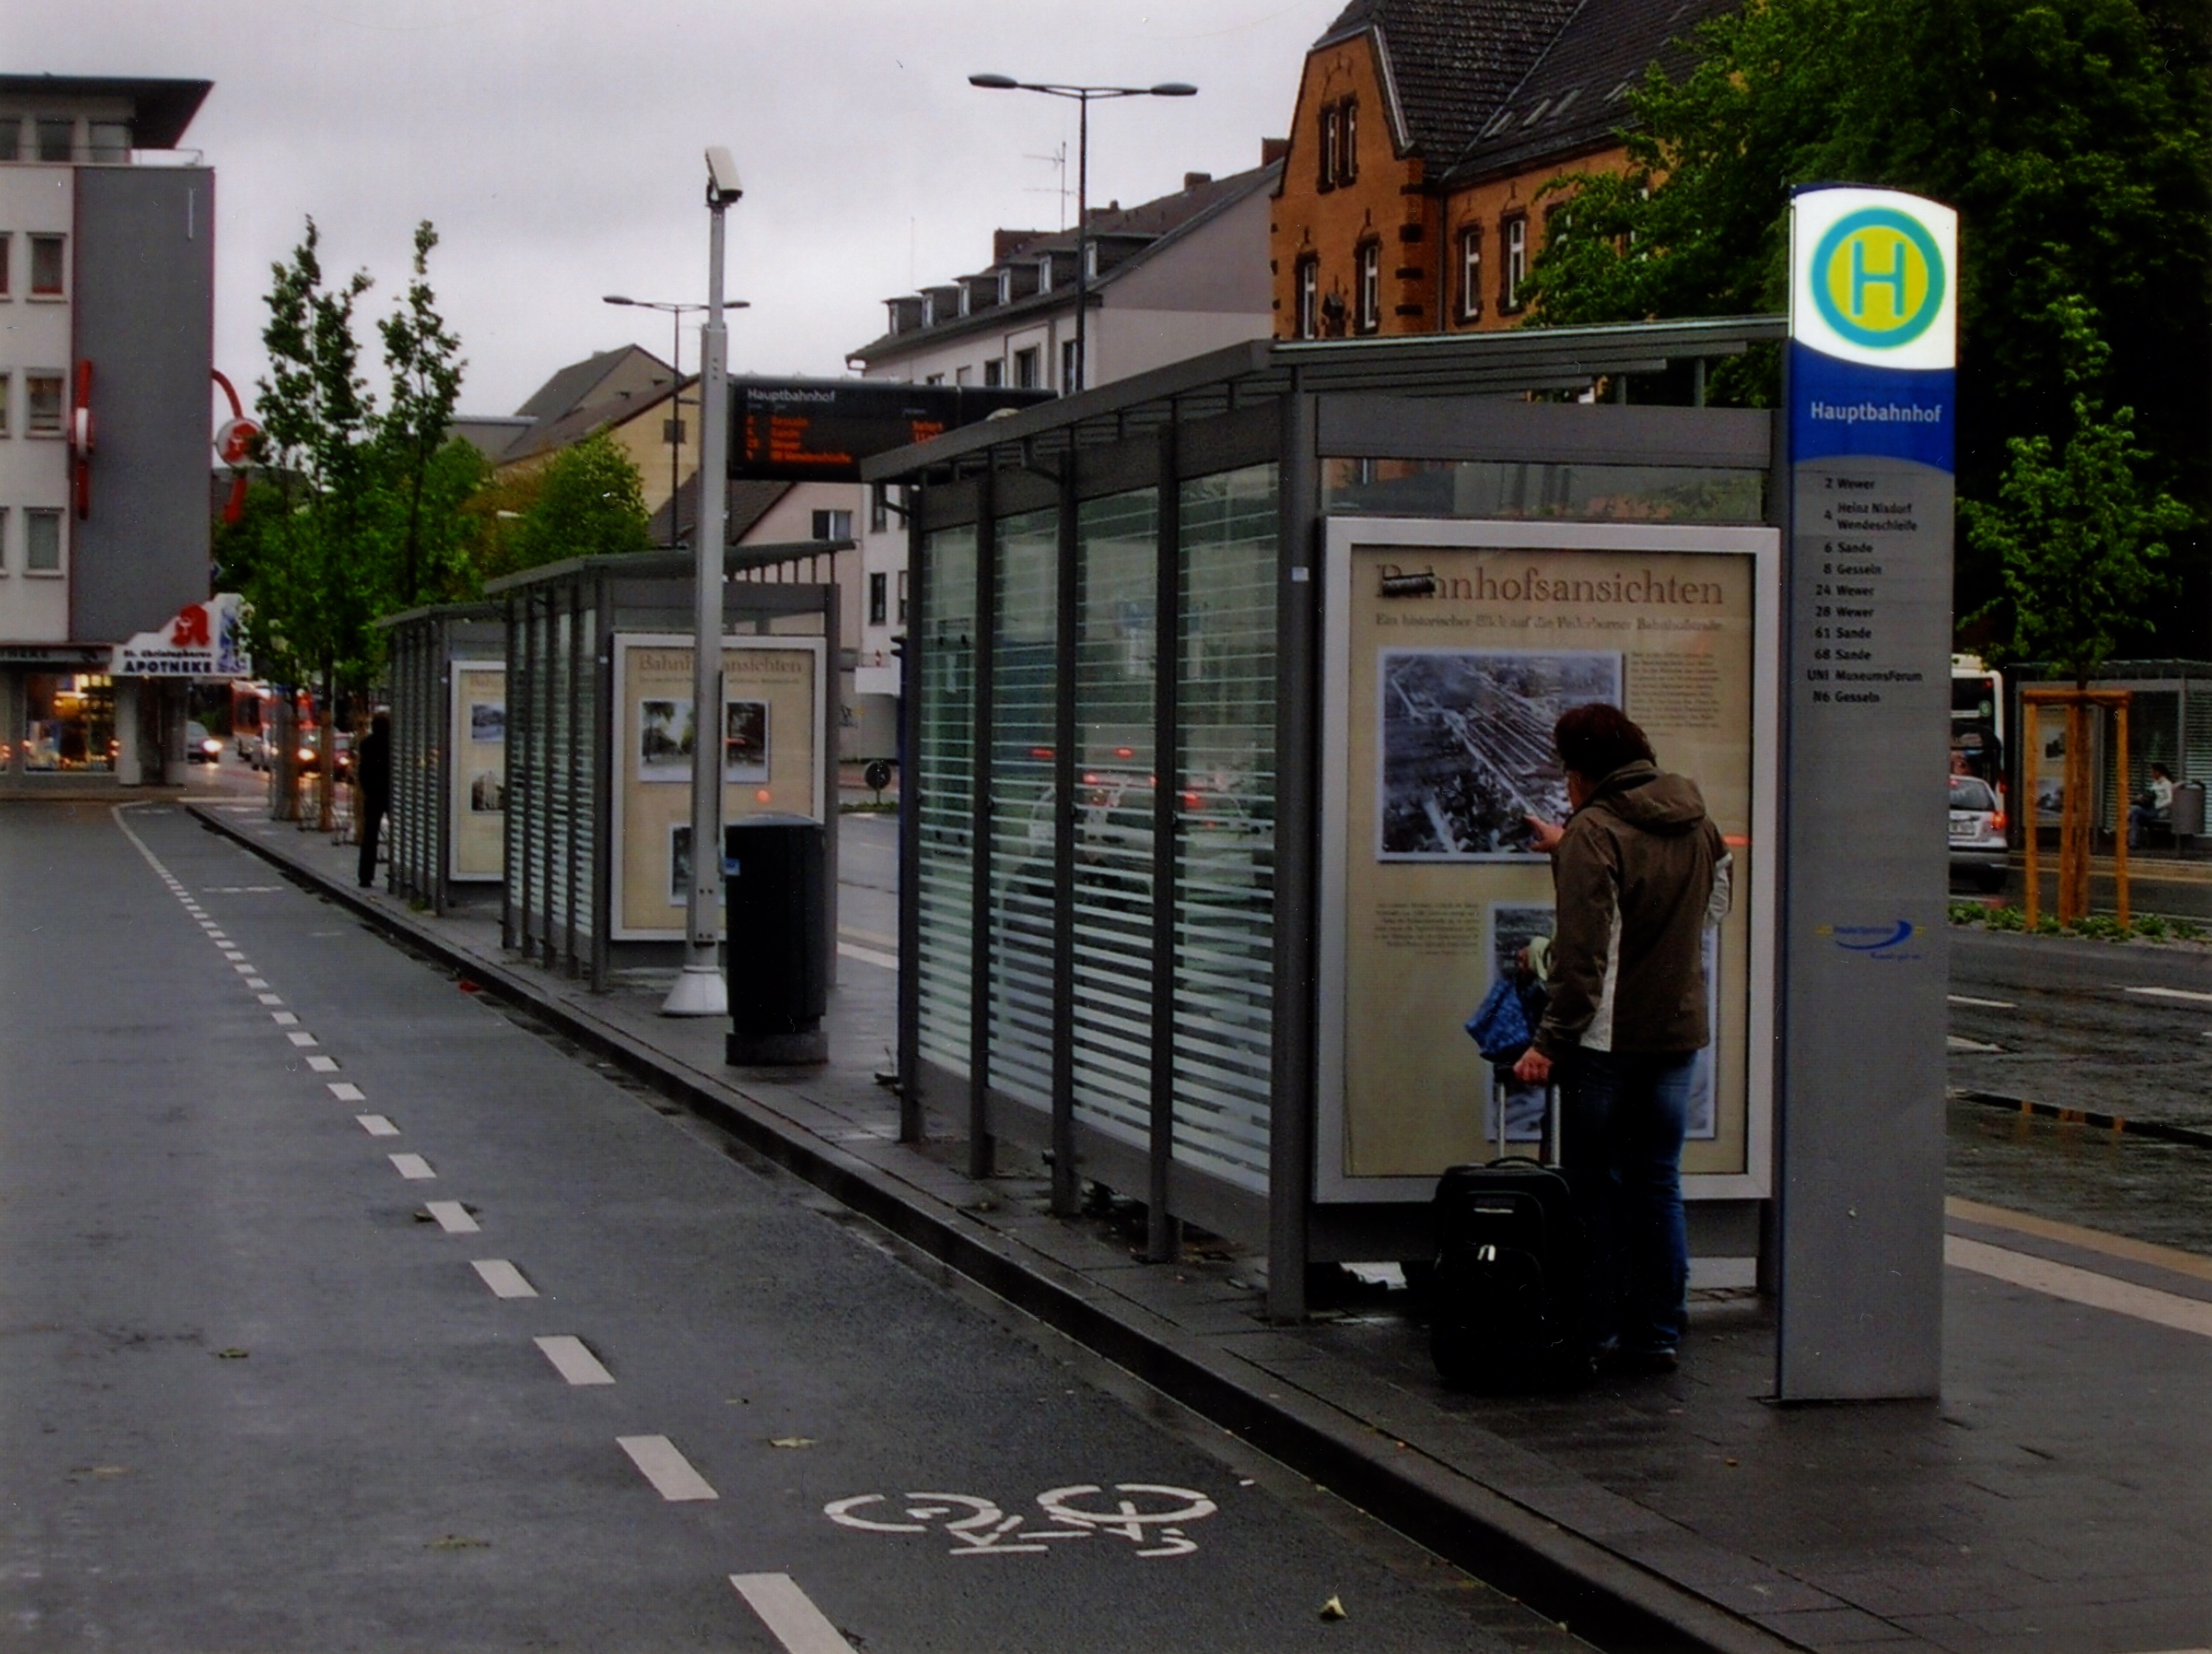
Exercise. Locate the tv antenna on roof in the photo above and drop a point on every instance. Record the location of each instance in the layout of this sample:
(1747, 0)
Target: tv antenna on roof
(1057, 159)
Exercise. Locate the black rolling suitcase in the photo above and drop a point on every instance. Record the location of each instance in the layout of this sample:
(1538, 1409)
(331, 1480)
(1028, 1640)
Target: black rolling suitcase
(1509, 1273)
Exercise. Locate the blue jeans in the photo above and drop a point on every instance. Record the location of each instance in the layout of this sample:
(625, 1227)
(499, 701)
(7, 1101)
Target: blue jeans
(1621, 1149)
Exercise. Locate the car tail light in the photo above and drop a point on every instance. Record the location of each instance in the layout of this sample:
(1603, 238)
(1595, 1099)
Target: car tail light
(1996, 820)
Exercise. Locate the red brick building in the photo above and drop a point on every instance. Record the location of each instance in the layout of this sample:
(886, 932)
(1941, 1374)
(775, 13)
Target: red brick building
(1423, 131)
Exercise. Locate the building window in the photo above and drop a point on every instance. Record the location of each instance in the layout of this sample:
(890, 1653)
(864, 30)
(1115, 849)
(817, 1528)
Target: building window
(6, 242)
(42, 394)
(1470, 273)
(902, 598)
(57, 138)
(1368, 308)
(1351, 147)
(46, 265)
(1071, 372)
(1025, 369)
(1044, 274)
(7, 385)
(880, 507)
(878, 597)
(833, 525)
(42, 542)
(3, 551)
(11, 138)
(1308, 279)
(994, 371)
(1517, 264)
(69, 723)
(111, 141)
(961, 374)
(1331, 144)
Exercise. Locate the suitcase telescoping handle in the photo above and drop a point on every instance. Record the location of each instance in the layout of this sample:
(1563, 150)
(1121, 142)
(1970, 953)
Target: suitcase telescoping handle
(1548, 1142)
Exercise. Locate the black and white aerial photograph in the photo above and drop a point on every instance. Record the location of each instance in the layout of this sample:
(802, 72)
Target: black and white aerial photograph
(1466, 746)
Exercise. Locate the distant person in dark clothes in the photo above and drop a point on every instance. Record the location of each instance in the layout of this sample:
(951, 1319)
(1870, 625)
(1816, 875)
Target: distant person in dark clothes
(1639, 873)
(372, 771)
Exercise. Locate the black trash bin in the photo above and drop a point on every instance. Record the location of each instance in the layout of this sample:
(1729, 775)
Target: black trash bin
(776, 892)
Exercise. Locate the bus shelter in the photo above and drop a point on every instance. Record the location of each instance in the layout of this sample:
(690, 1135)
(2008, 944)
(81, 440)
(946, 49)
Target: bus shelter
(593, 719)
(1226, 688)
(448, 688)
(2170, 716)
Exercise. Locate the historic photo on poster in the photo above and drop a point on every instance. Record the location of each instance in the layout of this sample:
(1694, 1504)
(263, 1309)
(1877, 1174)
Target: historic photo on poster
(774, 731)
(1466, 746)
(666, 732)
(1450, 651)
(745, 741)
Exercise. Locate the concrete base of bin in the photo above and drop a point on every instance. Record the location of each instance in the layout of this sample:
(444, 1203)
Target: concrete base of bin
(764, 1051)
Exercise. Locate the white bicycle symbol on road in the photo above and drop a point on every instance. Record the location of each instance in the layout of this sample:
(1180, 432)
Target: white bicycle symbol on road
(1149, 1515)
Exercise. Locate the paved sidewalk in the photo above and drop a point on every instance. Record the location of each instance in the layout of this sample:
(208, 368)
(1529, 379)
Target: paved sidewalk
(2055, 1499)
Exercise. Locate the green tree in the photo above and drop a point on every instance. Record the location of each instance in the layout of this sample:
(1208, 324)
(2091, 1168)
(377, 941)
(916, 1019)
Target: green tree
(314, 585)
(2077, 535)
(2074, 136)
(590, 502)
(424, 358)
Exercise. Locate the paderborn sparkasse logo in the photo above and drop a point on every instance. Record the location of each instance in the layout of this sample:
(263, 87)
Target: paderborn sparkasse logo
(1877, 278)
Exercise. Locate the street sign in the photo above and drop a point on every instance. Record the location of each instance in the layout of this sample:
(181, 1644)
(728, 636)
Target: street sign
(820, 430)
(1872, 403)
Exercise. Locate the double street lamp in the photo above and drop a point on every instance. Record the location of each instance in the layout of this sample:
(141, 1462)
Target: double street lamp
(676, 313)
(1084, 97)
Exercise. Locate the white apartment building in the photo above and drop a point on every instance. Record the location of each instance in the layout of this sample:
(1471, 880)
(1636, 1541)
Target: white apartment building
(107, 296)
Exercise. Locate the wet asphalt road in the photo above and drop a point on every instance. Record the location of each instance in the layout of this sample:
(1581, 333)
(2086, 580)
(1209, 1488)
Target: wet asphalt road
(338, 1312)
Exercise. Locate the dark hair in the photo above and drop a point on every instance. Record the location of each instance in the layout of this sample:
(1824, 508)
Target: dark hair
(2160, 769)
(1595, 739)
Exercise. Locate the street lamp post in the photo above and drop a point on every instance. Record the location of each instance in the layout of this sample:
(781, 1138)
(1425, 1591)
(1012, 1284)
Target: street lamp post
(676, 313)
(1084, 96)
(700, 990)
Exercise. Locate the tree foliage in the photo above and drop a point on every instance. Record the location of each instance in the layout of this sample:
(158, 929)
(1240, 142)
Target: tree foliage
(2077, 536)
(424, 358)
(589, 502)
(2074, 136)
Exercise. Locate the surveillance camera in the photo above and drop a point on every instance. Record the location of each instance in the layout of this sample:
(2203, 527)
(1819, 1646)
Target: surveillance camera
(722, 185)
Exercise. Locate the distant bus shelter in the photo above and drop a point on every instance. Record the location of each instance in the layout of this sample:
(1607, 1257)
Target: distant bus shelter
(1226, 688)
(449, 682)
(2169, 719)
(542, 742)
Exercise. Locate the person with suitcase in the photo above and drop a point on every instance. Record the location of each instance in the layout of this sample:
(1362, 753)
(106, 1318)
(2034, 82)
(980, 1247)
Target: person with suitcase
(1639, 873)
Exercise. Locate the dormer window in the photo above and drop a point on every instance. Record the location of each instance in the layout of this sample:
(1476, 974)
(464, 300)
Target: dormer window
(1006, 286)
(1537, 113)
(1090, 260)
(1044, 274)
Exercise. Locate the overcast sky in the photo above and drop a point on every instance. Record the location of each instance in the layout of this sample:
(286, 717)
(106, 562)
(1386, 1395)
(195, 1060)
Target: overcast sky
(556, 145)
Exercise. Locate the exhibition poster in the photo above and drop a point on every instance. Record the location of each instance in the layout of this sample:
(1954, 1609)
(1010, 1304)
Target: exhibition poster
(1448, 665)
(478, 770)
(771, 729)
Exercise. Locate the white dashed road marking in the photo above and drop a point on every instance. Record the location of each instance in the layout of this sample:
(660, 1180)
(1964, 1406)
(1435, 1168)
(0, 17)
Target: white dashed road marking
(1959, 1042)
(2189, 994)
(668, 1470)
(452, 1217)
(322, 1065)
(302, 1038)
(270, 999)
(2080, 1286)
(346, 1092)
(573, 1361)
(413, 1167)
(254, 981)
(376, 1125)
(285, 1018)
(789, 1614)
(502, 1277)
(1986, 1004)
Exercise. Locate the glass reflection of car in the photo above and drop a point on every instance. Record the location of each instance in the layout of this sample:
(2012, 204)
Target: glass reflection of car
(200, 747)
(1978, 851)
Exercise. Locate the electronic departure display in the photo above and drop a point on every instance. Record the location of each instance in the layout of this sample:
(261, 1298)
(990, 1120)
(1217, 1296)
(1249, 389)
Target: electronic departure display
(820, 430)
